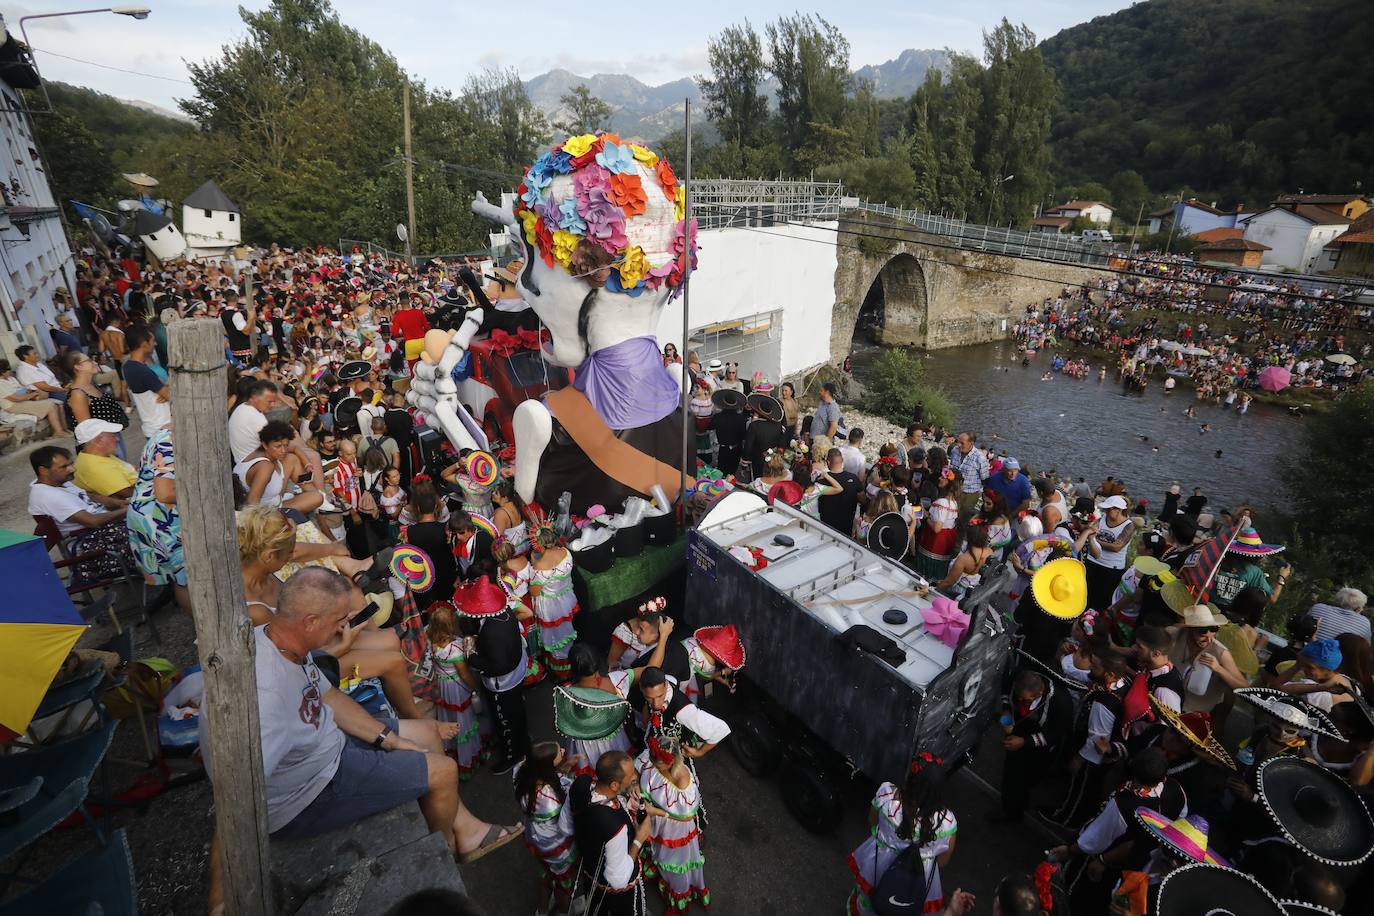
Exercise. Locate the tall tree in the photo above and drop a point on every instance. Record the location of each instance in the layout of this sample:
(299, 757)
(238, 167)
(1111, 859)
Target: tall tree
(809, 57)
(1018, 93)
(78, 164)
(585, 112)
(1130, 196)
(496, 97)
(733, 101)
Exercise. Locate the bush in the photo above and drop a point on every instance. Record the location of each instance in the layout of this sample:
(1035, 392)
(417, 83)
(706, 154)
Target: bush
(897, 383)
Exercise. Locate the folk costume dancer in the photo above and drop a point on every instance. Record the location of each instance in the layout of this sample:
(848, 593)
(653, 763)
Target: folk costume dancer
(676, 863)
(1037, 718)
(576, 706)
(555, 605)
(458, 687)
(609, 837)
(715, 654)
(667, 713)
(541, 789)
(501, 660)
(901, 817)
(1098, 736)
(626, 646)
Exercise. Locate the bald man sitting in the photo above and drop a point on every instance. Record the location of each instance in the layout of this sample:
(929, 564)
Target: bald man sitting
(329, 762)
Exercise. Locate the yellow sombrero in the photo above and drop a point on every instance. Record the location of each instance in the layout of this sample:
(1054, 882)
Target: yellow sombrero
(1061, 588)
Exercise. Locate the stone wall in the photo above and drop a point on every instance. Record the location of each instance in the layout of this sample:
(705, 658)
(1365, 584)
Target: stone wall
(935, 296)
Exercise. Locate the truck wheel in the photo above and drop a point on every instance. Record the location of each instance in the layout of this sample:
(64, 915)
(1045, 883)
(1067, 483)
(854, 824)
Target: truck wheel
(811, 796)
(755, 744)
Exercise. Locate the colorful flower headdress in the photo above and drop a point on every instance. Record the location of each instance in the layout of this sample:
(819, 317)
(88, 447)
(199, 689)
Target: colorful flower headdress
(652, 606)
(608, 211)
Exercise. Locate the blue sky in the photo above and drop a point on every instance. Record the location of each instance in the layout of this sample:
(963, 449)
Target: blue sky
(442, 43)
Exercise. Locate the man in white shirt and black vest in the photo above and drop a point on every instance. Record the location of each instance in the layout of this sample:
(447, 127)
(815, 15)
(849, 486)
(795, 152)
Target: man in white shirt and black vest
(610, 835)
(666, 710)
(238, 325)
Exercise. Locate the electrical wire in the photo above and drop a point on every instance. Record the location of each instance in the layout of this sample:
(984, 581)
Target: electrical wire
(153, 76)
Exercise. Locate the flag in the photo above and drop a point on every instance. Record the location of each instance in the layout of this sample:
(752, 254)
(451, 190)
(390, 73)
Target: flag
(85, 211)
(1200, 568)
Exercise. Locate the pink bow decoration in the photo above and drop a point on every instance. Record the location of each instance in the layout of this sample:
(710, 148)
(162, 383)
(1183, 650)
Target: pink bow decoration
(944, 620)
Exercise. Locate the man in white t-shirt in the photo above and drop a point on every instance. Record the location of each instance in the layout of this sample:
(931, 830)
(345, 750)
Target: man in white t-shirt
(1105, 556)
(53, 494)
(36, 376)
(249, 417)
(854, 461)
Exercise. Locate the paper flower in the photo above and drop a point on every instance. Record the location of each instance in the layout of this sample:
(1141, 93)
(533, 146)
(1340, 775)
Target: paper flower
(679, 203)
(616, 158)
(646, 156)
(944, 620)
(633, 266)
(578, 145)
(564, 244)
(667, 179)
(544, 240)
(536, 188)
(605, 221)
(628, 192)
(569, 218)
(530, 219)
(551, 212)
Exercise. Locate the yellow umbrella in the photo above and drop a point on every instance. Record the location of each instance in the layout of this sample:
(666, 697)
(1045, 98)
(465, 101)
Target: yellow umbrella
(38, 627)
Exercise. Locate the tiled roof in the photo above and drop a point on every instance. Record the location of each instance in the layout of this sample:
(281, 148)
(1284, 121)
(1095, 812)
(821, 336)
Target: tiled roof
(1235, 244)
(1219, 233)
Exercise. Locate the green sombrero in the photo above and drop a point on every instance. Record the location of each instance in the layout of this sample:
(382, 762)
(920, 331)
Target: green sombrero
(586, 713)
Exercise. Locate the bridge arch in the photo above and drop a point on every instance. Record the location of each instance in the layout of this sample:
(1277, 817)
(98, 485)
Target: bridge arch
(890, 299)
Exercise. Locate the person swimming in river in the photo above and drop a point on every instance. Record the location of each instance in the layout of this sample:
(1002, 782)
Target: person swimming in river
(1205, 428)
(1190, 413)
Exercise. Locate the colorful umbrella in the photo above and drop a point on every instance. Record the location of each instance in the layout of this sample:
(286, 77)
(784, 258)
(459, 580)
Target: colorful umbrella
(38, 627)
(1275, 378)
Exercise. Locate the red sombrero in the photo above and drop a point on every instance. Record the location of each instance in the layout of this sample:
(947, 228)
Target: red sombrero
(724, 644)
(479, 598)
(789, 491)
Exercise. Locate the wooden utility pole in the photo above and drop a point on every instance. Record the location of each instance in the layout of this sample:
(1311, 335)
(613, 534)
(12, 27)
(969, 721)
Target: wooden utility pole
(224, 634)
(410, 175)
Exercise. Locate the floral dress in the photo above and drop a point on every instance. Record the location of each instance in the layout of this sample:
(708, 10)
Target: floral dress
(517, 586)
(676, 861)
(154, 527)
(454, 703)
(634, 649)
(555, 607)
(549, 834)
(591, 751)
(880, 850)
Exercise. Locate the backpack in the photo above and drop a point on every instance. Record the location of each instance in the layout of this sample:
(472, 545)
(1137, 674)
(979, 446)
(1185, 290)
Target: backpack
(374, 444)
(901, 890)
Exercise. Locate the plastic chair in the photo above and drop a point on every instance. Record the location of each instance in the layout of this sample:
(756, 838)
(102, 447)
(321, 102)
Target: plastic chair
(45, 527)
(99, 882)
(44, 787)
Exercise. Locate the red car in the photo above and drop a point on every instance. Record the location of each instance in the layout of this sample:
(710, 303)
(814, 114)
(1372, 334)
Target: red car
(500, 379)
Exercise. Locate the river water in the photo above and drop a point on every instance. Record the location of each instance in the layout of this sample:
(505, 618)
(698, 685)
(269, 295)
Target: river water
(1092, 429)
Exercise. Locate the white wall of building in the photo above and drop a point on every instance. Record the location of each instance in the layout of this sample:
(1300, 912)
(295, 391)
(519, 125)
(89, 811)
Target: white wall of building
(1099, 214)
(36, 257)
(211, 229)
(1293, 242)
(744, 272)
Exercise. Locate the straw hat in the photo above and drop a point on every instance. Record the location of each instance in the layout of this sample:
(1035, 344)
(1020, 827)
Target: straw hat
(1176, 596)
(586, 713)
(1150, 566)
(1290, 710)
(1248, 544)
(789, 491)
(1301, 908)
(1211, 890)
(1203, 615)
(724, 645)
(1052, 673)
(1060, 588)
(1315, 810)
(1186, 837)
(1196, 728)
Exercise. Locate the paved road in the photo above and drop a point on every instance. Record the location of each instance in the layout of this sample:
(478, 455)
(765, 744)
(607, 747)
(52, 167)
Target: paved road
(759, 861)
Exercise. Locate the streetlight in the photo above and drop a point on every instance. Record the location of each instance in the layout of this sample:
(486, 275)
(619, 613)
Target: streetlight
(995, 188)
(132, 11)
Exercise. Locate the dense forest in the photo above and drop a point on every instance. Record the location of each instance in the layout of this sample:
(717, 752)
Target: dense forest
(1234, 100)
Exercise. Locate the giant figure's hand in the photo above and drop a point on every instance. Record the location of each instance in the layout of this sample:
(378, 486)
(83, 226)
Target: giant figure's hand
(433, 392)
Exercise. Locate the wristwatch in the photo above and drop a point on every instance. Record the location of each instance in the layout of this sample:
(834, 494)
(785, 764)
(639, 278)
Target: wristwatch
(378, 741)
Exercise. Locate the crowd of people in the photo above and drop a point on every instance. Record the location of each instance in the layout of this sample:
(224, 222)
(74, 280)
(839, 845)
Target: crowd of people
(376, 692)
(1279, 325)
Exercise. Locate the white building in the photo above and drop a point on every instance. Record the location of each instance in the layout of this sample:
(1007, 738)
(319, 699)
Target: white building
(210, 221)
(1295, 236)
(159, 235)
(1192, 216)
(1095, 210)
(37, 259)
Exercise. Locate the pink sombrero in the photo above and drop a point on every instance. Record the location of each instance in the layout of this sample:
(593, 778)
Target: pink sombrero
(1248, 544)
(1186, 837)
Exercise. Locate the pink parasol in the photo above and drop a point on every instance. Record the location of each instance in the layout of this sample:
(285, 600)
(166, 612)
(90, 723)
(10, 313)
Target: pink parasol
(1275, 378)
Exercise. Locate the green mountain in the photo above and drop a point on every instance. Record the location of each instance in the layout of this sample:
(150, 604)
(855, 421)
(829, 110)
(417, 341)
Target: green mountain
(1234, 100)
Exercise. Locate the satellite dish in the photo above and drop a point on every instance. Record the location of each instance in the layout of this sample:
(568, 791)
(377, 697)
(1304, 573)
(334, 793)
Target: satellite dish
(401, 232)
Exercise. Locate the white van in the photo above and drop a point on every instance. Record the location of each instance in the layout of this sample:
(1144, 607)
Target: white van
(1097, 235)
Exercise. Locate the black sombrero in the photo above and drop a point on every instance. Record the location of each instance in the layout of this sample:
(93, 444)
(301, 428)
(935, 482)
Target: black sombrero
(887, 535)
(1315, 810)
(354, 369)
(1302, 908)
(1211, 890)
(346, 413)
(728, 399)
(1290, 710)
(769, 407)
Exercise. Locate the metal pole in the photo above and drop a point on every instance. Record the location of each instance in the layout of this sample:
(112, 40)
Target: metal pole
(686, 321)
(410, 174)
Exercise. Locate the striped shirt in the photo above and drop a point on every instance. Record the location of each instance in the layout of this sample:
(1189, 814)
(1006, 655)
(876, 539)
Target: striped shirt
(347, 492)
(1333, 622)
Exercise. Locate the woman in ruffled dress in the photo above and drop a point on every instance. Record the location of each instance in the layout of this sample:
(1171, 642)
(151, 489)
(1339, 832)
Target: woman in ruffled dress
(515, 579)
(938, 541)
(541, 791)
(555, 605)
(901, 817)
(714, 654)
(676, 861)
(457, 686)
(509, 517)
(589, 670)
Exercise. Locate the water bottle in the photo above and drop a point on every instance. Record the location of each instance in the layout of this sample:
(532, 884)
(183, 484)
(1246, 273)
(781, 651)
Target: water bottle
(1007, 722)
(1199, 679)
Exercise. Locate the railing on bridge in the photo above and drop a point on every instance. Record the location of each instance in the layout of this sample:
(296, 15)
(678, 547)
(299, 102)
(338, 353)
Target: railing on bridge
(721, 203)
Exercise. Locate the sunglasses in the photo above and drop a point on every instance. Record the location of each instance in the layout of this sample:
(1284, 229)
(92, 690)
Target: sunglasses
(1209, 629)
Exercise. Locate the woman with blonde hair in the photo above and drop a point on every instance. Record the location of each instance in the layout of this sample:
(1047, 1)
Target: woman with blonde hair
(458, 687)
(267, 542)
(775, 471)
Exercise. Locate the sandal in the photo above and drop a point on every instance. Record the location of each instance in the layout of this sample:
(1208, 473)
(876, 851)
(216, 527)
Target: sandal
(497, 836)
